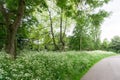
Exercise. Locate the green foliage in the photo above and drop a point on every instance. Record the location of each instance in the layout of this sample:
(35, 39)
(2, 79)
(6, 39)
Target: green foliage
(48, 65)
(98, 18)
(105, 44)
(115, 44)
(36, 25)
(96, 3)
(86, 34)
(29, 19)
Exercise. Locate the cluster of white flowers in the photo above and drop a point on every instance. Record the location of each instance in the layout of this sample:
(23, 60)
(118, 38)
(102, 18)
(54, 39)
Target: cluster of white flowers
(48, 65)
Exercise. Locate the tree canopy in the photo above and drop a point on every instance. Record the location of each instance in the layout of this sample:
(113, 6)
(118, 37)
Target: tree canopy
(45, 24)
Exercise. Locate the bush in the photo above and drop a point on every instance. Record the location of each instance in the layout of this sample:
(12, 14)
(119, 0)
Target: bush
(115, 44)
(48, 65)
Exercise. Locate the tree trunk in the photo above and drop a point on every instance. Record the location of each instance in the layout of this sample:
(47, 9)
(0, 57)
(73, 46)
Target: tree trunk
(61, 33)
(11, 41)
(64, 33)
(80, 44)
(52, 33)
(65, 28)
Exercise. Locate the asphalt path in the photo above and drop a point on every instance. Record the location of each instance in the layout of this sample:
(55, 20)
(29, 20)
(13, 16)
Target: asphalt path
(106, 69)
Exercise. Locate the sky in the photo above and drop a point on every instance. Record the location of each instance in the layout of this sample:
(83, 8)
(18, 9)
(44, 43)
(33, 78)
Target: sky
(111, 25)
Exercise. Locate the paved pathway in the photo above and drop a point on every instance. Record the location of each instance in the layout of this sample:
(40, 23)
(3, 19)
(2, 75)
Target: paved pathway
(106, 69)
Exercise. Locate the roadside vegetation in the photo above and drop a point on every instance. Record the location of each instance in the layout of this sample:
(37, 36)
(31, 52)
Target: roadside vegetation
(32, 65)
(113, 45)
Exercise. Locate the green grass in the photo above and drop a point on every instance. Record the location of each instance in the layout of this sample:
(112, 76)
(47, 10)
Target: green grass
(49, 65)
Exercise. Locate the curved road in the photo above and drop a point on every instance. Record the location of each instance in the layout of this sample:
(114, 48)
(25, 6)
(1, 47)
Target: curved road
(106, 69)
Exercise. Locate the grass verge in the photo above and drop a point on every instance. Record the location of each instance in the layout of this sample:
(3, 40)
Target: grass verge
(49, 65)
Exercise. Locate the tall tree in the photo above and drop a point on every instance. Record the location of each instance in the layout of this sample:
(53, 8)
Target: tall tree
(52, 32)
(85, 21)
(13, 15)
(12, 26)
(65, 11)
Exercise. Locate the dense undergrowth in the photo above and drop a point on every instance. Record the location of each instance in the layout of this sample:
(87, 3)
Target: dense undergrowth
(49, 65)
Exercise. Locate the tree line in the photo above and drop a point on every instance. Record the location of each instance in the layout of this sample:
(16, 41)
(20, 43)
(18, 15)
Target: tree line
(46, 24)
(113, 45)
